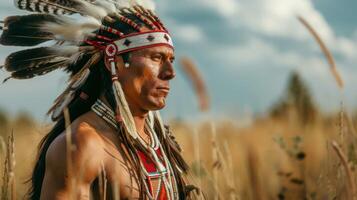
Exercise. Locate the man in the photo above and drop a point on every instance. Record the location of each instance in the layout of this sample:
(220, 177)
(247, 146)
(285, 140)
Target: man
(121, 63)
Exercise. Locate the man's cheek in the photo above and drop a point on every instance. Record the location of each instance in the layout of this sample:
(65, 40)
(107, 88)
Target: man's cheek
(151, 69)
(146, 89)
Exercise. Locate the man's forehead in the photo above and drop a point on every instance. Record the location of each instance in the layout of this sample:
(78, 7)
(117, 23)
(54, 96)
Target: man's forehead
(159, 49)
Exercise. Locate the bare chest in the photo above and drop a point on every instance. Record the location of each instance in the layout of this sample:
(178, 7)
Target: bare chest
(119, 179)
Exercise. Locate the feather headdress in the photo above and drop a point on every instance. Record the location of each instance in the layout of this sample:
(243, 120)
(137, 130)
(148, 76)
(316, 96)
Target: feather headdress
(75, 35)
(90, 32)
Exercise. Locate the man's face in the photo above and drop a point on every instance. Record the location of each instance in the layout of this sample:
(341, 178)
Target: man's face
(146, 81)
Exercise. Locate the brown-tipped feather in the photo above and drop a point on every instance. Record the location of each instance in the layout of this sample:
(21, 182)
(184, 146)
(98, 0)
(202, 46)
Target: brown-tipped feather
(56, 7)
(27, 30)
(191, 71)
(325, 50)
(93, 60)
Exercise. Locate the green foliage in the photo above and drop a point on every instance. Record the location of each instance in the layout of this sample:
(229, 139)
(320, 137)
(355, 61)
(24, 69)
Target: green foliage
(297, 97)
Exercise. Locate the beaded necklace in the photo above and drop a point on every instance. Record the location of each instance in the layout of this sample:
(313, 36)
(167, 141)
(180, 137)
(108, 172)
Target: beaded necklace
(158, 168)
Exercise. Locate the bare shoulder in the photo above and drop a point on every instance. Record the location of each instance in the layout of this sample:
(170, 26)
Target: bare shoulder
(87, 151)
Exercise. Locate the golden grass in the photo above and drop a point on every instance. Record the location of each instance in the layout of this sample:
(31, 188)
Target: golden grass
(271, 159)
(351, 181)
(8, 189)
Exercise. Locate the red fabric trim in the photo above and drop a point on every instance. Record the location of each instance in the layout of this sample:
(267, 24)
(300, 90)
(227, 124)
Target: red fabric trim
(150, 185)
(96, 44)
(147, 163)
(162, 193)
(151, 168)
(144, 47)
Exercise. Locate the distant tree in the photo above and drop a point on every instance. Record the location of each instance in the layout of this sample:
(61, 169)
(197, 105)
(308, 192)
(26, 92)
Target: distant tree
(297, 97)
(4, 122)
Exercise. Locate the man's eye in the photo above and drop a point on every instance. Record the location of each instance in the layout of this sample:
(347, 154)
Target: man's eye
(157, 57)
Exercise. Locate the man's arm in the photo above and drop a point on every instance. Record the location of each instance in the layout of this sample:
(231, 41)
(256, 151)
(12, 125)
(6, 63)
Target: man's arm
(86, 164)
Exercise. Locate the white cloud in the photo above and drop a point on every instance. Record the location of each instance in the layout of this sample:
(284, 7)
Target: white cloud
(187, 33)
(226, 8)
(265, 58)
(278, 17)
(256, 52)
(347, 47)
(355, 35)
(261, 55)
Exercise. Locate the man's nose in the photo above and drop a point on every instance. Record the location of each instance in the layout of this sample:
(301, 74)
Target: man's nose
(168, 71)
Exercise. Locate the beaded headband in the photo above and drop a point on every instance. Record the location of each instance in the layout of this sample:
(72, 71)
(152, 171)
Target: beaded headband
(143, 40)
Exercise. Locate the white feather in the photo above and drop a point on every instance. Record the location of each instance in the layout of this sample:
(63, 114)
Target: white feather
(50, 9)
(32, 6)
(67, 51)
(108, 6)
(70, 30)
(93, 10)
(122, 3)
(148, 4)
(59, 108)
(75, 57)
(41, 7)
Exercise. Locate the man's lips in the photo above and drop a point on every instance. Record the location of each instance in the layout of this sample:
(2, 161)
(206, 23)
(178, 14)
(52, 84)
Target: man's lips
(163, 89)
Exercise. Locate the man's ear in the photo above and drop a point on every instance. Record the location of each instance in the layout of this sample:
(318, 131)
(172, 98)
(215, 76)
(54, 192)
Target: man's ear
(118, 61)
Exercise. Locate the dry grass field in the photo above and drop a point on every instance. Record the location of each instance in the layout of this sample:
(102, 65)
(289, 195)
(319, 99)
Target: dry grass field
(272, 158)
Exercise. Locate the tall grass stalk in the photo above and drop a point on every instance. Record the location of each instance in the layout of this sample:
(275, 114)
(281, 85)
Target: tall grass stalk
(253, 163)
(230, 180)
(3, 160)
(348, 171)
(196, 144)
(216, 162)
(325, 50)
(8, 189)
(12, 166)
(197, 82)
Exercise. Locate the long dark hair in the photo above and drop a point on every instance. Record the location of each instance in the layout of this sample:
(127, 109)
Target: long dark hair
(99, 82)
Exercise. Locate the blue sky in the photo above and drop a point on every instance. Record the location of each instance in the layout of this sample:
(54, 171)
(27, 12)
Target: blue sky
(245, 50)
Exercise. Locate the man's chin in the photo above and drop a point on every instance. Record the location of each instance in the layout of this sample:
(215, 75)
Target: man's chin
(158, 104)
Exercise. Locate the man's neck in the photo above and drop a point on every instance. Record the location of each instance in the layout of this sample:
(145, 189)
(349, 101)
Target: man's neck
(140, 124)
(139, 118)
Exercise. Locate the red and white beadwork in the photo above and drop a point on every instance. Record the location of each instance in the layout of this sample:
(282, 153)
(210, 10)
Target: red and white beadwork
(143, 40)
